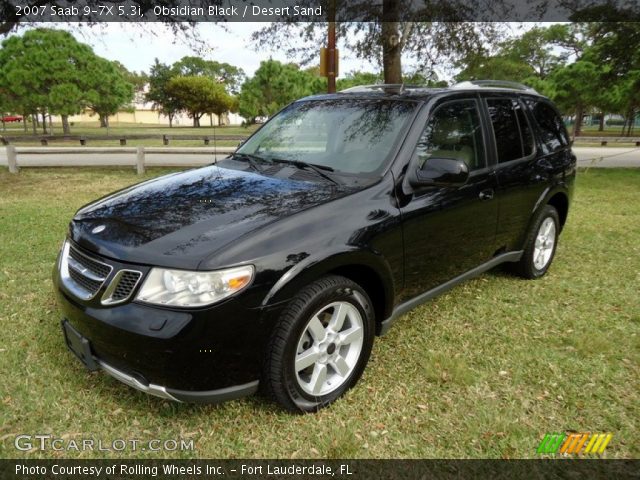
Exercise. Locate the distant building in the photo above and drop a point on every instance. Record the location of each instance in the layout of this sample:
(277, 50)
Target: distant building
(142, 112)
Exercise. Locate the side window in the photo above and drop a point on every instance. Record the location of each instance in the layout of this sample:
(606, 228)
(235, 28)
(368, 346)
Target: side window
(525, 130)
(553, 134)
(453, 131)
(514, 138)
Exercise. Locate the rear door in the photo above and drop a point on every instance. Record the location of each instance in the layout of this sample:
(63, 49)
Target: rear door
(450, 230)
(520, 178)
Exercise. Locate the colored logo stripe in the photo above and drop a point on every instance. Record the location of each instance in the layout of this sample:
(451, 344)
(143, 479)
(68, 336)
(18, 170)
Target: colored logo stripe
(551, 442)
(598, 443)
(573, 443)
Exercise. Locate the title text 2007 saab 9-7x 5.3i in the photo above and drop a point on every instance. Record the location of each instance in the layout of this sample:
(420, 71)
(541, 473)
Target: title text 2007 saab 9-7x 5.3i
(276, 267)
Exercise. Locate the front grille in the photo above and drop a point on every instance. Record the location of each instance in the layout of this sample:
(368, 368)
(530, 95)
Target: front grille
(91, 286)
(82, 274)
(100, 269)
(121, 287)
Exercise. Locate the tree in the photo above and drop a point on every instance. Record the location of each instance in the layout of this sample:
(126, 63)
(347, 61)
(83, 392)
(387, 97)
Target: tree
(220, 72)
(498, 67)
(158, 94)
(137, 80)
(355, 78)
(109, 90)
(273, 86)
(43, 72)
(199, 95)
(382, 37)
(575, 88)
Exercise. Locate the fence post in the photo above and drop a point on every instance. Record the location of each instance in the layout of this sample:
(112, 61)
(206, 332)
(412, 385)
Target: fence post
(140, 160)
(165, 140)
(12, 160)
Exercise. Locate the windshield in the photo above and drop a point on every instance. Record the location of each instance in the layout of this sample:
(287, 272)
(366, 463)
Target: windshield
(348, 135)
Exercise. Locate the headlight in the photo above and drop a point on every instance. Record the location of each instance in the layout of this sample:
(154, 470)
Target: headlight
(182, 288)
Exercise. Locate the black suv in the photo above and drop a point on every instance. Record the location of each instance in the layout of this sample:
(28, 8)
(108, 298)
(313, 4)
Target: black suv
(276, 267)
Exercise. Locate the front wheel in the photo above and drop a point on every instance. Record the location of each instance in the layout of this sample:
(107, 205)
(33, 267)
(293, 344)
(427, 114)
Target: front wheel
(540, 245)
(320, 346)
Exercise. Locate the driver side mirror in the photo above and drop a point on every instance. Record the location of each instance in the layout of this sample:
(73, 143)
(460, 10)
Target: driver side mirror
(442, 172)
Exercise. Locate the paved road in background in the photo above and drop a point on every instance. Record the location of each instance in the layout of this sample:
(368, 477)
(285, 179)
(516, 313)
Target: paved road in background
(595, 157)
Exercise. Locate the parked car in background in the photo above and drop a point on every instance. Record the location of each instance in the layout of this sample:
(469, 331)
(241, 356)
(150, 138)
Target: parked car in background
(11, 118)
(276, 267)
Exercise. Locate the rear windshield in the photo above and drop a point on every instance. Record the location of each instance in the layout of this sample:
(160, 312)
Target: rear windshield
(349, 135)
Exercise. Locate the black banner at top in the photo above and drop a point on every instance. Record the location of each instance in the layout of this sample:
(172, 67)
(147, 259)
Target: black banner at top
(318, 10)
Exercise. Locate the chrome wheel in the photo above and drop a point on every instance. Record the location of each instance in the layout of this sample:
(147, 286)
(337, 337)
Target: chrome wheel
(329, 348)
(545, 243)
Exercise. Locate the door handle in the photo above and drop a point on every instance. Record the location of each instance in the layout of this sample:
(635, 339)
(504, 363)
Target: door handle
(486, 194)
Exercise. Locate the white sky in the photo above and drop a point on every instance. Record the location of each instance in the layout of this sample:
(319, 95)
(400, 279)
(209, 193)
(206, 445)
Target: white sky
(136, 46)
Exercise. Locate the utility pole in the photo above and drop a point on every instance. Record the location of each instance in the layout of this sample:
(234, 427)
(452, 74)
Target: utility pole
(331, 48)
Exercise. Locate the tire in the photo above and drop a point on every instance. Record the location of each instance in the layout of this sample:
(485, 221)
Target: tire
(540, 245)
(312, 356)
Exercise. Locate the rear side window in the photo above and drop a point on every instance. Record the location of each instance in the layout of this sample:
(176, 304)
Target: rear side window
(514, 139)
(553, 134)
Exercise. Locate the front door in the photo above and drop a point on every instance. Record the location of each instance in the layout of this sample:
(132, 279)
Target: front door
(450, 230)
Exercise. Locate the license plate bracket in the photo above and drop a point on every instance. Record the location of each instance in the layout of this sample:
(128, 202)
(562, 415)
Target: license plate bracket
(79, 345)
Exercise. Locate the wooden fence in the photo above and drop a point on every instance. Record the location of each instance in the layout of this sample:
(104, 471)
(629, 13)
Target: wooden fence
(122, 139)
(137, 156)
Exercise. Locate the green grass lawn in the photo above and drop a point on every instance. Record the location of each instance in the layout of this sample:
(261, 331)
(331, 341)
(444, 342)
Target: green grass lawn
(485, 370)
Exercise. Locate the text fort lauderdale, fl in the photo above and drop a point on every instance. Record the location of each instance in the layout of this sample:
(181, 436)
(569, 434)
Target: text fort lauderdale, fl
(170, 469)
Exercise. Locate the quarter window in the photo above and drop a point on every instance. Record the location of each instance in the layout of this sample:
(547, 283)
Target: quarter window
(553, 133)
(453, 131)
(514, 139)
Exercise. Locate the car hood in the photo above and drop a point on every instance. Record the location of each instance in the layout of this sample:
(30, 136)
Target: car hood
(178, 220)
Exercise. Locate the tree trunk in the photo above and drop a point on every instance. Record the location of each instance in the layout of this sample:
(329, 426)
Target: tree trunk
(34, 123)
(601, 126)
(391, 46)
(25, 116)
(65, 124)
(211, 120)
(170, 120)
(577, 126)
(104, 121)
(44, 123)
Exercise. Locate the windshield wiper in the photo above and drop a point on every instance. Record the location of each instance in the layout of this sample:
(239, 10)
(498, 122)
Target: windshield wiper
(251, 158)
(302, 165)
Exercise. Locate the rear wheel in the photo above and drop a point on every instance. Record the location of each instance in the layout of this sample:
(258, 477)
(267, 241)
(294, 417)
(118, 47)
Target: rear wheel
(321, 345)
(540, 245)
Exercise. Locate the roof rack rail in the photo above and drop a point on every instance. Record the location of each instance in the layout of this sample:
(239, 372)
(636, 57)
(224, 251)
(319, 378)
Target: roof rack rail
(493, 83)
(386, 87)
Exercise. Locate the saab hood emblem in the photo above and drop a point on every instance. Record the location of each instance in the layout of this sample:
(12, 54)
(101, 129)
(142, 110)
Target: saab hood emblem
(98, 229)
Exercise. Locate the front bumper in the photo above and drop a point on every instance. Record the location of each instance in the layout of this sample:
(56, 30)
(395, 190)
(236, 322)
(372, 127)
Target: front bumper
(205, 355)
(81, 348)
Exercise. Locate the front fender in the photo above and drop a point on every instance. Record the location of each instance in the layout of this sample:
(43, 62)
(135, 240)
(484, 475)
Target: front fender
(315, 266)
